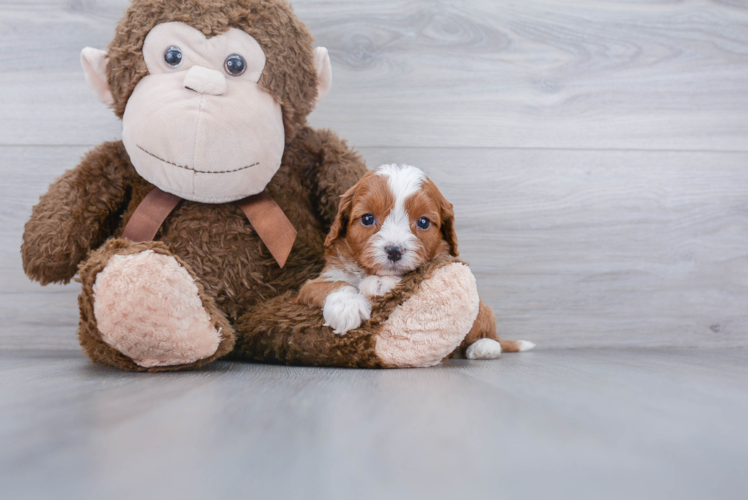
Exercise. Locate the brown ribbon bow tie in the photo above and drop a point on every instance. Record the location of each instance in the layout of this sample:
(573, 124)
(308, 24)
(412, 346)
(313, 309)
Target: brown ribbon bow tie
(266, 217)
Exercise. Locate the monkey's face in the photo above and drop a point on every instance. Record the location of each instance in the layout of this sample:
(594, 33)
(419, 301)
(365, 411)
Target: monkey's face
(198, 125)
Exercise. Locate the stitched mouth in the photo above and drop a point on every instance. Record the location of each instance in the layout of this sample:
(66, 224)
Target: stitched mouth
(194, 169)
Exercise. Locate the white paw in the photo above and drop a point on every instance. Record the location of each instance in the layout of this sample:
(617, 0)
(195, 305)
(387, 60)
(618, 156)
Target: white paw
(376, 286)
(525, 345)
(345, 309)
(484, 349)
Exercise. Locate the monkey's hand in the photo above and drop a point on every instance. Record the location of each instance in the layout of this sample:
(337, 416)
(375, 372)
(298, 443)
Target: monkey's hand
(72, 217)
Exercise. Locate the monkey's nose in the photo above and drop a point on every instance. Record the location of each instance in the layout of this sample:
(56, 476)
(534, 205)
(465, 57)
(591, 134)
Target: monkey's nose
(205, 81)
(394, 253)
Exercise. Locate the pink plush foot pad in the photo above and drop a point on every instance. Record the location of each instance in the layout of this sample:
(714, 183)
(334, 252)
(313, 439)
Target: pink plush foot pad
(431, 324)
(147, 307)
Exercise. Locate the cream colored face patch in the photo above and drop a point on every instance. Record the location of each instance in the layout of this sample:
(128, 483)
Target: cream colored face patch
(198, 125)
(197, 50)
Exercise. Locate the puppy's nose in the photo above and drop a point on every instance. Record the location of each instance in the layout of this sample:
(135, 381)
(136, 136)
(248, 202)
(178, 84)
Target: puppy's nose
(205, 81)
(394, 253)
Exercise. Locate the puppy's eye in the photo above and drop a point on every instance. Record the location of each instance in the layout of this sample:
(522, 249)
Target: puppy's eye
(423, 223)
(367, 220)
(235, 65)
(173, 56)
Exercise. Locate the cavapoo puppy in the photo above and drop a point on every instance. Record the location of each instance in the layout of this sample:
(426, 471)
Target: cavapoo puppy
(390, 223)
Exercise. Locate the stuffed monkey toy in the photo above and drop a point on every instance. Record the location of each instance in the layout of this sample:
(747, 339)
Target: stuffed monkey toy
(191, 235)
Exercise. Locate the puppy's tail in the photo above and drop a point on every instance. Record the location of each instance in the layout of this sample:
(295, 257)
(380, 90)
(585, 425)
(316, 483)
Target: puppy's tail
(516, 345)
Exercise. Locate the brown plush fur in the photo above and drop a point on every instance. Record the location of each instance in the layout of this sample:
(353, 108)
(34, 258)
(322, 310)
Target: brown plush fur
(88, 333)
(78, 213)
(289, 74)
(77, 225)
(94, 202)
(232, 267)
(283, 330)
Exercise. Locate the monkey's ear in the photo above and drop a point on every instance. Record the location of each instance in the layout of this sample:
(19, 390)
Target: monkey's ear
(94, 69)
(324, 72)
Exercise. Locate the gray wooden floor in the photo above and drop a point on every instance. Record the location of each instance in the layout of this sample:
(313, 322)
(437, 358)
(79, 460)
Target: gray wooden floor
(590, 424)
(597, 156)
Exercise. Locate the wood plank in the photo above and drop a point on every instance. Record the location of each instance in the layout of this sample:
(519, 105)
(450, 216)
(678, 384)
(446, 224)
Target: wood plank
(537, 73)
(615, 424)
(571, 248)
(601, 248)
(33, 316)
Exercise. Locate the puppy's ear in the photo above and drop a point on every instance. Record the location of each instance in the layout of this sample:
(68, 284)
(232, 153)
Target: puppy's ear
(341, 219)
(448, 225)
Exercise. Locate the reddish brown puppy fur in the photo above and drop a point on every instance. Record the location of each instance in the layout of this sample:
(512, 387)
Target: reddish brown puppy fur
(351, 251)
(371, 195)
(347, 240)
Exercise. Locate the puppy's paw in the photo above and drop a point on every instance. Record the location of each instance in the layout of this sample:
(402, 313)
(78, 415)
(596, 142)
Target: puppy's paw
(525, 345)
(484, 349)
(345, 309)
(375, 286)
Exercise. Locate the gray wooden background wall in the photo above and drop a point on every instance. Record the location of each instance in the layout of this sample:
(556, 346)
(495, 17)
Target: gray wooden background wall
(596, 151)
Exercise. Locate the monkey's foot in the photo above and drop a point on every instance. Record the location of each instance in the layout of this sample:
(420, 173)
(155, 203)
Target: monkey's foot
(149, 309)
(433, 322)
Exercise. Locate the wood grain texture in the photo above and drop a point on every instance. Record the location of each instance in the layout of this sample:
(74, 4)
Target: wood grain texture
(596, 154)
(587, 248)
(595, 151)
(537, 73)
(605, 424)
(570, 248)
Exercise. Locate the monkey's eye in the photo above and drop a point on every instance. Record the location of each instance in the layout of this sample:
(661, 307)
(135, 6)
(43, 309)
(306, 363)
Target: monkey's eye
(173, 56)
(235, 65)
(423, 223)
(367, 220)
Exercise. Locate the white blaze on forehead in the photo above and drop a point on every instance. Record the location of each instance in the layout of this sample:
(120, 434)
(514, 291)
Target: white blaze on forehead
(403, 181)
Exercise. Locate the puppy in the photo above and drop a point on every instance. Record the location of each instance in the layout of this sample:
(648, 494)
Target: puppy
(390, 223)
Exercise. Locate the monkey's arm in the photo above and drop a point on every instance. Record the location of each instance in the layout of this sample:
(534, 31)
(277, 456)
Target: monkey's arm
(78, 213)
(337, 168)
